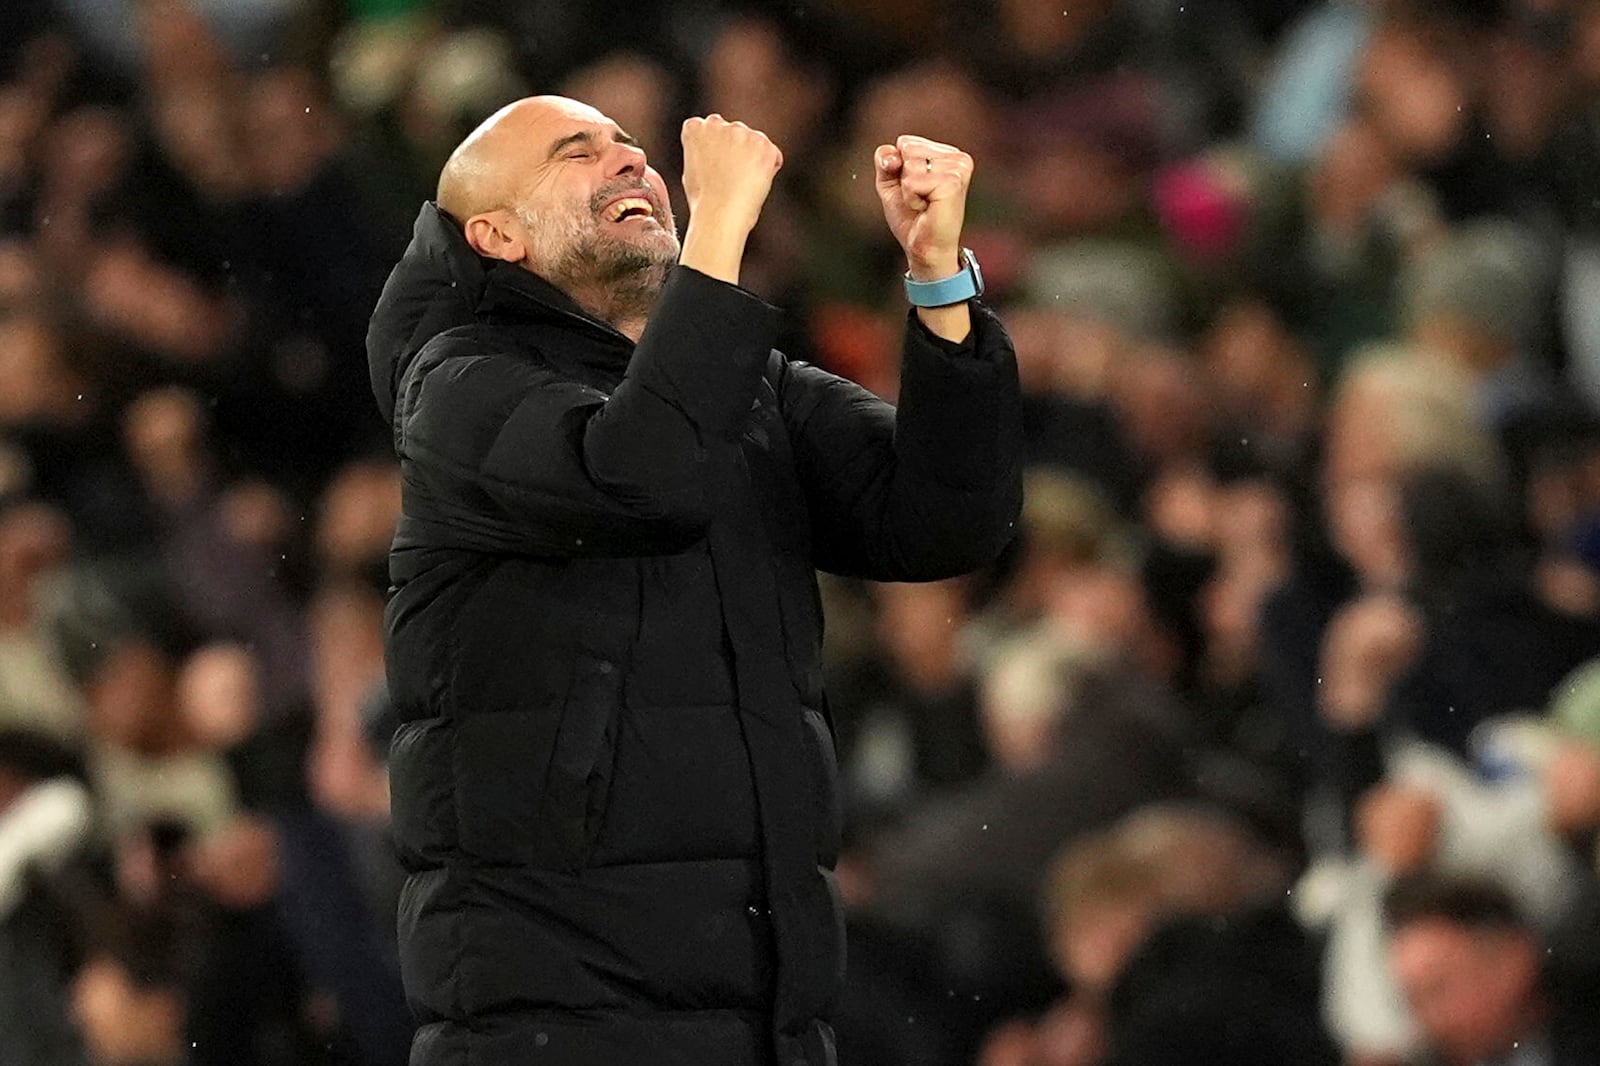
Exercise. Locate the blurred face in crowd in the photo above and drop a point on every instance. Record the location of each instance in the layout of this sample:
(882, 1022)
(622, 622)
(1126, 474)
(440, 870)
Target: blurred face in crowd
(219, 694)
(1474, 992)
(749, 72)
(1092, 948)
(122, 1021)
(638, 93)
(36, 385)
(131, 702)
(35, 539)
(291, 132)
(558, 187)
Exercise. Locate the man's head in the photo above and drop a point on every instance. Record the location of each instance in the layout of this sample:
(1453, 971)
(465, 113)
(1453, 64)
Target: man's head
(1466, 963)
(557, 187)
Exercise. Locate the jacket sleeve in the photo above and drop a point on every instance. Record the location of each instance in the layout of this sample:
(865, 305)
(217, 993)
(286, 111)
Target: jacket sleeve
(499, 439)
(926, 492)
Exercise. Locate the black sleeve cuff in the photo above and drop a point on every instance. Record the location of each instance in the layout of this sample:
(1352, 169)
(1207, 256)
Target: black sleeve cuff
(966, 346)
(705, 347)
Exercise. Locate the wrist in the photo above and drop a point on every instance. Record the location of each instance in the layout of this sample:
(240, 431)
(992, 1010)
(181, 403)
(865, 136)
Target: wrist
(934, 267)
(714, 248)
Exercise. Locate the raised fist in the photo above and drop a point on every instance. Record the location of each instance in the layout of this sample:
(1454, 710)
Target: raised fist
(727, 172)
(923, 186)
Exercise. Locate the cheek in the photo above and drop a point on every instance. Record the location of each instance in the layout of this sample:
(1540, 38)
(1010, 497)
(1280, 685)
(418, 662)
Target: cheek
(663, 196)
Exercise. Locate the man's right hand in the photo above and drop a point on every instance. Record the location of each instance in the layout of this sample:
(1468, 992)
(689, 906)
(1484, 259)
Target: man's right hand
(727, 173)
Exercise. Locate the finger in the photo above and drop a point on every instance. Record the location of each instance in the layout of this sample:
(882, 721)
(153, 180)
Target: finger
(911, 145)
(933, 179)
(887, 164)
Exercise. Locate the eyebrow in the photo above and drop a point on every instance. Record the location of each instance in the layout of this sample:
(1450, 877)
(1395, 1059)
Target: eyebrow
(588, 137)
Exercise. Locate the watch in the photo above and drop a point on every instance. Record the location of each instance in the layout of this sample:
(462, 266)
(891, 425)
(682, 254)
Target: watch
(958, 288)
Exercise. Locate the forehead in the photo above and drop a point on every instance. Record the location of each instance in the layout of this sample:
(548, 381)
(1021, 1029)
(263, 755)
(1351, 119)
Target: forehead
(561, 117)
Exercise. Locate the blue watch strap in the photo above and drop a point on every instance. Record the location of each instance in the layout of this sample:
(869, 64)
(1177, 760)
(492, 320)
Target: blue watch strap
(955, 289)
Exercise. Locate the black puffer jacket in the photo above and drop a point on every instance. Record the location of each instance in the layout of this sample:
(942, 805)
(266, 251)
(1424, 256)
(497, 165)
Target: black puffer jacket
(613, 787)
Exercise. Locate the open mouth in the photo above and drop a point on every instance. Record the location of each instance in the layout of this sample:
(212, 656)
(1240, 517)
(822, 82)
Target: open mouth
(628, 207)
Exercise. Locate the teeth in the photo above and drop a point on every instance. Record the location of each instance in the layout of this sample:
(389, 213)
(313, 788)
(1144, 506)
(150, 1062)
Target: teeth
(629, 203)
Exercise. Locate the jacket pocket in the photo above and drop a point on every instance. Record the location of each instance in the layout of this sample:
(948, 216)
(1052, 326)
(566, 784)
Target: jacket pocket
(582, 760)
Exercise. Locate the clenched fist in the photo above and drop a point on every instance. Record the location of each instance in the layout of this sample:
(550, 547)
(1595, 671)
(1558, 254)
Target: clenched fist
(923, 186)
(727, 171)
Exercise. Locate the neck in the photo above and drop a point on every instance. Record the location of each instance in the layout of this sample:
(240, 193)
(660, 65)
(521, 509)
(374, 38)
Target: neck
(625, 318)
(623, 303)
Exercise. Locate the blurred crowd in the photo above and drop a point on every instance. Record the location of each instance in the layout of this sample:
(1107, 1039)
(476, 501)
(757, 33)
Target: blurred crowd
(1275, 738)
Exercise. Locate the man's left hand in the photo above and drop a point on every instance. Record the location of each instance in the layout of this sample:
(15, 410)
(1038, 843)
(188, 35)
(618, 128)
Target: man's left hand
(923, 186)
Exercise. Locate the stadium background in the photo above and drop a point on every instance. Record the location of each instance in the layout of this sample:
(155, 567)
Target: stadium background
(1306, 298)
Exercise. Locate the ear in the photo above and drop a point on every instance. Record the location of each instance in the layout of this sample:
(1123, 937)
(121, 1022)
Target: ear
(488, 235)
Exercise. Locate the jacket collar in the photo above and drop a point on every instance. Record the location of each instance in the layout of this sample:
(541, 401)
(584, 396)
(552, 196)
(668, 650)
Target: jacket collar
(511, 292)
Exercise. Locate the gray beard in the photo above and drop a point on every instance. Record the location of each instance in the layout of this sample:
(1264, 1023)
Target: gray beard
(614, 280)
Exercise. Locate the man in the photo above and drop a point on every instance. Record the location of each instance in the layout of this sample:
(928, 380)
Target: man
(613, 787)
(1482, 988)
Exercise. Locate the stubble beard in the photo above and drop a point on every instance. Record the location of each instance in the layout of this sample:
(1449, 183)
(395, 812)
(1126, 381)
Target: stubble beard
(616, 279)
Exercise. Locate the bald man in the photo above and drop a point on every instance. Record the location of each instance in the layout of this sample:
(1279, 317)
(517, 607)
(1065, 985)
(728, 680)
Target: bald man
(614, 785)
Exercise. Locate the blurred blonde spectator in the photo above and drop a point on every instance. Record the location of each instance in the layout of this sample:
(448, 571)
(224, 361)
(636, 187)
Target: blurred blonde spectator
(1029, 687)
(1395, 414)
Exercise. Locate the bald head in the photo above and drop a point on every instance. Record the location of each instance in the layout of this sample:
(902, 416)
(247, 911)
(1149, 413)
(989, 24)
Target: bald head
(488, 169)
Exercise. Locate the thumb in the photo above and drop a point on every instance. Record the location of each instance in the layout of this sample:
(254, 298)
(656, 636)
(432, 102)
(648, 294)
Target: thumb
(887, 169)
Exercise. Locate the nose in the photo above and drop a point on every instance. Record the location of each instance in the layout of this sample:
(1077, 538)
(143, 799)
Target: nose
(626, 159)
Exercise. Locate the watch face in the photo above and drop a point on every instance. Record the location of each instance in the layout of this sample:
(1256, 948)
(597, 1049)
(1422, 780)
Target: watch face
(977, 272)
